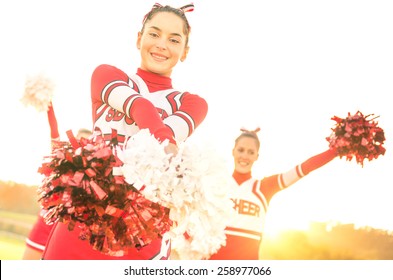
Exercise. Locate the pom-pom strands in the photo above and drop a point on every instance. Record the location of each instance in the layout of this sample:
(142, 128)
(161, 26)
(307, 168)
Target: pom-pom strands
(357, 136)
(38, 92)
(80, 189)
(195, 186)
(125, 197)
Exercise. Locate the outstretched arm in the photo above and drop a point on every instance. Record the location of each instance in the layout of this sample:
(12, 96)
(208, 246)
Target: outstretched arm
(290, 177)
(272, 184)
(318, 161)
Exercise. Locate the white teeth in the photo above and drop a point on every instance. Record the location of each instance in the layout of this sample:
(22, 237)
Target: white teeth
(158, 57)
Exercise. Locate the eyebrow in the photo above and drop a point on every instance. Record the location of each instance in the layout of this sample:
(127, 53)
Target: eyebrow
(158, 29)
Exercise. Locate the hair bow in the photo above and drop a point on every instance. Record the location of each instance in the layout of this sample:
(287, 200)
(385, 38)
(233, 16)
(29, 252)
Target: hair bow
(187, 8)
(183, 9)
(255, 131)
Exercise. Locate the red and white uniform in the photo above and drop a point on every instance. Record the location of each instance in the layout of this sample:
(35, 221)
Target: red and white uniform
(244, 233)
(40, 232)
(128, 104)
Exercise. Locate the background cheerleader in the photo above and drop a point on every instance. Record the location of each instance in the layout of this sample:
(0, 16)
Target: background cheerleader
(356, 136)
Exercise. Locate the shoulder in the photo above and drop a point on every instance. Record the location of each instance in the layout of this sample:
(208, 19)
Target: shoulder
(191, 94)
(195, 98)
(106, 70)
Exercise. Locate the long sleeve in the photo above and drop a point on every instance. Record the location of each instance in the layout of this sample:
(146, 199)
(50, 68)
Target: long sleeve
(190, 114)
(272, 184)
(290, 177)
(318, 161)
(110, 86)
(54, 131)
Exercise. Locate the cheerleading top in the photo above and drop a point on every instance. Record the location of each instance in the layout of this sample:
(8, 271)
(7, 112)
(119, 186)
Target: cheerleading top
(128, 104)
(244, 233)
(125, 104)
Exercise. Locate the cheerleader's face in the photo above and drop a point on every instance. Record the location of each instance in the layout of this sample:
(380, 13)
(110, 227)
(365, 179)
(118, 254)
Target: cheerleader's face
(83, 135)
(245, 153)
(162, 43)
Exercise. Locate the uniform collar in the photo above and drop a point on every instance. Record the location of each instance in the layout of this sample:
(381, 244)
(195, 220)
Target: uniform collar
(241, 177)
(154, 81)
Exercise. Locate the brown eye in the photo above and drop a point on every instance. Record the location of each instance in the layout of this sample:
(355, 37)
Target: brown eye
(175, 41)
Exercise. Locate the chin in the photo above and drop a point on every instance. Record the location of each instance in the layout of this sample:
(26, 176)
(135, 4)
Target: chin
(159, 71)
(243, 170)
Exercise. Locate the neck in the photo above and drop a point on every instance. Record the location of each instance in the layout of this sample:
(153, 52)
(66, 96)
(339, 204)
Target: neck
(155, 81)
(241, 177)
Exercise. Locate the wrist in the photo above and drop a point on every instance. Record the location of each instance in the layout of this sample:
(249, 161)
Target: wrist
(164, 133)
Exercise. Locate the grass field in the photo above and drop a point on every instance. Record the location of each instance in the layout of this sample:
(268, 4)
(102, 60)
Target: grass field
(11, 248)
(12, 244)
(28, 218)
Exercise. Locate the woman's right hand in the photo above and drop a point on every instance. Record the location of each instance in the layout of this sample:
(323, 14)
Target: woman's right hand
(171, 148)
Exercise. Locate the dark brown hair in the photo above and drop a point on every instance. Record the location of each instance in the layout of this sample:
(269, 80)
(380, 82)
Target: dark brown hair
(179, 12)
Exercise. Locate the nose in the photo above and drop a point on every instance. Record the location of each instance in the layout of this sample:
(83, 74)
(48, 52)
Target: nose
(243, 156)
(161, 43)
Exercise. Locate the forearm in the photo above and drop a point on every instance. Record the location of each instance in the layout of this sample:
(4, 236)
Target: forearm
(318, 161)
(145, 115)
(192, 111)
(292, 176)
(110, 86)
(54, 131)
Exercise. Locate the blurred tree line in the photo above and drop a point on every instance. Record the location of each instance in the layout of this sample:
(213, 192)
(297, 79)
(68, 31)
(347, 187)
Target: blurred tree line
(18, 198)
(320, 242)
(325, 242)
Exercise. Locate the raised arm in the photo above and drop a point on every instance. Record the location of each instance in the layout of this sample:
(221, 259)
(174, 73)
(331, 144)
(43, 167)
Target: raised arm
(54, 131)
(110, 85)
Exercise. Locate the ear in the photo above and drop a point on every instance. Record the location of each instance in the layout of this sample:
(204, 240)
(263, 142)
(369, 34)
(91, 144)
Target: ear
(138, 41)
(185, 53)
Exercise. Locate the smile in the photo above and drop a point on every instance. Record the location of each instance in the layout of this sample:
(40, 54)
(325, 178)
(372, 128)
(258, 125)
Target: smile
(159, 57)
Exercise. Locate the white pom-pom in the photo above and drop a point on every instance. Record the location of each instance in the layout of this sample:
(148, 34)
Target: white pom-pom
(194, 185)
(206, 209)
(144, 162)
(38, 92)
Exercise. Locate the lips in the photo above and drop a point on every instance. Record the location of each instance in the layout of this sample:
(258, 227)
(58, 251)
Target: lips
(159, 57)
(243, 163)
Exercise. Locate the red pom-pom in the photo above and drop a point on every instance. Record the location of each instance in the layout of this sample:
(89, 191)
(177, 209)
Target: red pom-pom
(357, 136)
(79, 188)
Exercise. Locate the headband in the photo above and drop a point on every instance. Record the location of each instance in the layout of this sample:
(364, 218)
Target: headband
(184, 9)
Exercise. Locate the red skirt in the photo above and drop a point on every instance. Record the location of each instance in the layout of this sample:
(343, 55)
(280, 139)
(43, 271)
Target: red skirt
(66, 245)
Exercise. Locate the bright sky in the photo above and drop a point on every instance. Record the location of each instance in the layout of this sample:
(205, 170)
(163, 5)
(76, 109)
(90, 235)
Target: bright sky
(285, 66)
